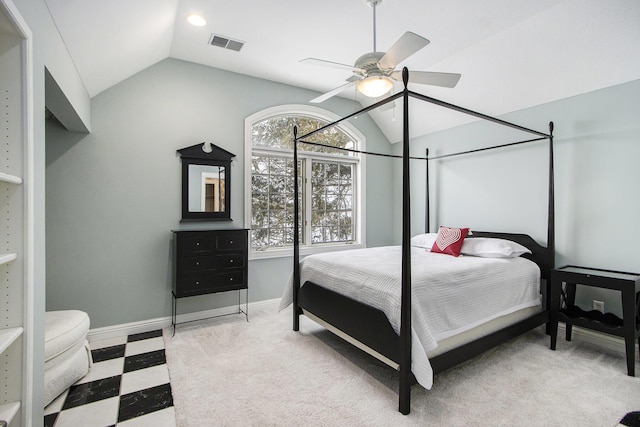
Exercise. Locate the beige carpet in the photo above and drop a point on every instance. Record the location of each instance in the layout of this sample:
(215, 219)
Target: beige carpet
(229, 372)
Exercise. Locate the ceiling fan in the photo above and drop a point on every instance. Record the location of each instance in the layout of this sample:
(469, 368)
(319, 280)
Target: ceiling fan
(374, 72)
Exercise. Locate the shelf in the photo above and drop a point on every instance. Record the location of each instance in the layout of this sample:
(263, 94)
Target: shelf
(8, 411)
(607, 322)
(8, 336)
(7, 258)
(12, 179)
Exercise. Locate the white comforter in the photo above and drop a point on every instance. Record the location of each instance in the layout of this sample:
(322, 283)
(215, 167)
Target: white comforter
(449, 295)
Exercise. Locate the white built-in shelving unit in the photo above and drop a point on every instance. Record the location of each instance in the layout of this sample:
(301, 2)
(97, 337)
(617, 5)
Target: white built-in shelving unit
(16, 219)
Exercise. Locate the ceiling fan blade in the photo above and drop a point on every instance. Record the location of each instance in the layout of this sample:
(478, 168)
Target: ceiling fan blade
(430, 78)
(406, 46)
(332, 92)
(323, 63)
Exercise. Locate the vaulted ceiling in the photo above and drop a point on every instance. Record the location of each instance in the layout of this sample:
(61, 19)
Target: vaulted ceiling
(512, 54)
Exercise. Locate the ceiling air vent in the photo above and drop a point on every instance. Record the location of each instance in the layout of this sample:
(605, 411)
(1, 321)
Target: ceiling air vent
(225, 42)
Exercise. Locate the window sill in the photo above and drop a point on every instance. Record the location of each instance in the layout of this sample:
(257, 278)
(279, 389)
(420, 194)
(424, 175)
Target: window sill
(304, 250)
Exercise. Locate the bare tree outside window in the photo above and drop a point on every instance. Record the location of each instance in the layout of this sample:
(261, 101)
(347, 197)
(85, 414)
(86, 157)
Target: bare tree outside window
(271, 201)
(327, 183)
(332, 202)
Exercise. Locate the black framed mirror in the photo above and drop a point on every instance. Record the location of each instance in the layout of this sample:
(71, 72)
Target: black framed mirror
(206, 183)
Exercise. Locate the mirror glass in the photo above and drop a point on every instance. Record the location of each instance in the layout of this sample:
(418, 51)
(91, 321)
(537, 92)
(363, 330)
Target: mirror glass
(206, 188)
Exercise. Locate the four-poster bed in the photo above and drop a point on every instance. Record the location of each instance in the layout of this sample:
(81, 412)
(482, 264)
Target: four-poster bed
(370, 328)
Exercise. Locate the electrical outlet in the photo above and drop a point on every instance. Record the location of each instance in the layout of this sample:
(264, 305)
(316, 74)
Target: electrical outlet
(598, 305)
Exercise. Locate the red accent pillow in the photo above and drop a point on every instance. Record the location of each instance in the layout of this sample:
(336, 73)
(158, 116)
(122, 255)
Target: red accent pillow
(449, 240)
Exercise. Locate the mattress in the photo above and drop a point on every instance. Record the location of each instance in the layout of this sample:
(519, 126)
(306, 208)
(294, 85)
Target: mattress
(450, 295)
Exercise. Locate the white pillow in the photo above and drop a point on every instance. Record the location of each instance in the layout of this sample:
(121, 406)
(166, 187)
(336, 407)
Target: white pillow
(489, 247)
(424, 240)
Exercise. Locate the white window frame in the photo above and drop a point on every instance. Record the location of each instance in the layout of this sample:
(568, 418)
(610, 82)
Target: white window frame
(359, 187)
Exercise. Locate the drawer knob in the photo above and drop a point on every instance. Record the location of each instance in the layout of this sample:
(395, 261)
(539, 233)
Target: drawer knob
(197, 262)
(231, 242)
(197, 243)
(231, 279)
(197, 283)
(231, 261)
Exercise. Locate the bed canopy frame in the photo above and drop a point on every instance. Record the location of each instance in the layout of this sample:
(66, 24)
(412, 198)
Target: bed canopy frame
(400, 352)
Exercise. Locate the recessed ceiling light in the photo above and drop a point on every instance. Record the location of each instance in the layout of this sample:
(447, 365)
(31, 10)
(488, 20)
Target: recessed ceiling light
(197, 20)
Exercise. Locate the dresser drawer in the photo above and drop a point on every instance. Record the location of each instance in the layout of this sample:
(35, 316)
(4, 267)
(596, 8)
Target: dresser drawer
(211, 262)
(198, 283)
(196, 244)
(210, 242)
(229, 242)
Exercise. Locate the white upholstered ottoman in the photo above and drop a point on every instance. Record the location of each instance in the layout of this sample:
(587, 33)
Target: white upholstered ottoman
(67, 356)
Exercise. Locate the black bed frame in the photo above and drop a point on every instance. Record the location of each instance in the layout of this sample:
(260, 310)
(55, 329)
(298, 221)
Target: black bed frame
(368, 326)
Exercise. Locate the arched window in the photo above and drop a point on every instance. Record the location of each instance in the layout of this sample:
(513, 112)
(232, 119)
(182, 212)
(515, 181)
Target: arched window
(330, 182)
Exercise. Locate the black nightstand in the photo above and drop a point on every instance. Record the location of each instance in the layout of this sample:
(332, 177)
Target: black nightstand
(563, 306)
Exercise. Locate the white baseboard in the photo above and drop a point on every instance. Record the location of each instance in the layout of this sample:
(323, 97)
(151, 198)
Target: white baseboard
(125, 329)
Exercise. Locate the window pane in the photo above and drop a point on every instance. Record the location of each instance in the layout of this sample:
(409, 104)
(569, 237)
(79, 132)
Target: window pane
(259, 238)
(260, 184)
(277, 132)
(332, 202)
(272, 201)
(332, 176)
(259, 165)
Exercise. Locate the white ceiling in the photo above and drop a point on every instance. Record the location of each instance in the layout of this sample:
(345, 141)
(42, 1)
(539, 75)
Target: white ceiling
(512, 54)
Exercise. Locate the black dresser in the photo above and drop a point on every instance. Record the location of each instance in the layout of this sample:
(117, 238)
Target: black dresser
(209, 261)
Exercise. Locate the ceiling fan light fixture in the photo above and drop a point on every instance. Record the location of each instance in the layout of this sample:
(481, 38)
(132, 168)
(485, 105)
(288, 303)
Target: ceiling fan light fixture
(196, 20)
(375, 86)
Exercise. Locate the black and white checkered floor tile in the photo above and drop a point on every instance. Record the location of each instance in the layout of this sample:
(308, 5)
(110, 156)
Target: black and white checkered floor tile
(128, 385)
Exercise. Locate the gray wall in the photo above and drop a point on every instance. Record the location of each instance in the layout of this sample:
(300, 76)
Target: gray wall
(596, 181)
(114, 195)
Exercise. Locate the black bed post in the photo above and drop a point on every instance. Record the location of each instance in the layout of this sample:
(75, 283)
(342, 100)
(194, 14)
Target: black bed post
(405, 307)
(427, 225)
(551, 233)
(296, 234)
(551, 229)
